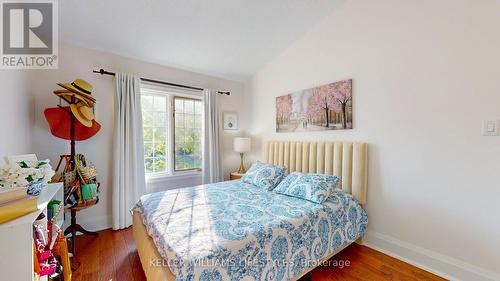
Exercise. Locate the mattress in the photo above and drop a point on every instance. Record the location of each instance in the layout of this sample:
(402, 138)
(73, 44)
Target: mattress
(234, 231)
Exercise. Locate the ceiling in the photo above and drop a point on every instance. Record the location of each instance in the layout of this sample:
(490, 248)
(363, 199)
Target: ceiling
(225, 38)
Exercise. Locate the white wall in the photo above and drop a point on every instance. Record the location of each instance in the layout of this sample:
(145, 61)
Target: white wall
(16, 113)
(75, 62)
(426, 74)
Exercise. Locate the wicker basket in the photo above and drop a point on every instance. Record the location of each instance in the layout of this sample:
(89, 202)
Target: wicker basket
(73, 180)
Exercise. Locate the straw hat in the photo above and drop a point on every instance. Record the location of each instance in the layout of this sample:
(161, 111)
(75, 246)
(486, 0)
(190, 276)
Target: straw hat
(79, 88)
(83, 114)
(67, 95)
(59, 120)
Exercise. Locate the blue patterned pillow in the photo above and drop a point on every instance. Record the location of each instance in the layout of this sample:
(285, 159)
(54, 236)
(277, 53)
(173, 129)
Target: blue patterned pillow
(313, 187)
(264, 175)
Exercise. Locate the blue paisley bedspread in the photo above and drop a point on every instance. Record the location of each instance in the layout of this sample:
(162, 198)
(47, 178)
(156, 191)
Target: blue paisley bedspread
(234, 230)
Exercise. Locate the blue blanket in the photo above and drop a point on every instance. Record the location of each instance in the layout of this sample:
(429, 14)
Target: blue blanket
(233, 231)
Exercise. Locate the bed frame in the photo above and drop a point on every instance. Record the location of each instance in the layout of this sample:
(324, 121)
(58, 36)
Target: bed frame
(348, 160)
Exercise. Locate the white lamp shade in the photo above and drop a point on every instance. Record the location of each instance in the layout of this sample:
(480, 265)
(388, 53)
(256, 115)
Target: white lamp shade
(242, 145)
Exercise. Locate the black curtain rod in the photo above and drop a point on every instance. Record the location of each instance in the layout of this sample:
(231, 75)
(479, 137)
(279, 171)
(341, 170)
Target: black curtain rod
(102, 72)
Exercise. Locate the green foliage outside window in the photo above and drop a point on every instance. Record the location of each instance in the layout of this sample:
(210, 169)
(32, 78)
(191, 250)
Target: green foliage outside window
(188, 116)
(187, 131)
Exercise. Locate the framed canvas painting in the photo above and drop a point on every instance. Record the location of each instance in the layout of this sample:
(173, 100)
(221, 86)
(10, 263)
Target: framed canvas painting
(326, 107)
(230, 120)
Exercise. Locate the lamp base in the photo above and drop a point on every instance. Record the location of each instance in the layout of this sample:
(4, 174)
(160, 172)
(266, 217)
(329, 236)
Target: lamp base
(241, 170)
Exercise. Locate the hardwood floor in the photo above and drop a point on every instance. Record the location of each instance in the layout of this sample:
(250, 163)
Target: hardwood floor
(112, 256)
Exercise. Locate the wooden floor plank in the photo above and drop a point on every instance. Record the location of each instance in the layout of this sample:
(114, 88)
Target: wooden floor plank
(113, 256)
(394, 264)
(123, 267)
(135, 261)
(85, 259)
(106, 256)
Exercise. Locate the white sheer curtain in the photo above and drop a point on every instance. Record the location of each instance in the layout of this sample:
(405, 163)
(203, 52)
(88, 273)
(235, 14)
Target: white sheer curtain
(128, 153)
(212, 160)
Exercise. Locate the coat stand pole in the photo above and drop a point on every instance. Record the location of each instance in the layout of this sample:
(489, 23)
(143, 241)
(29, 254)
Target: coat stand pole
(74, 227)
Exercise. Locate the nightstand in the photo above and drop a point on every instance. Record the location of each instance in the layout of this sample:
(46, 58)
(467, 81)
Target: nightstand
(235, 176)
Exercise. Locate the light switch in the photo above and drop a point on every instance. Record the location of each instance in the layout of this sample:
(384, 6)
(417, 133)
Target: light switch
(490, 128)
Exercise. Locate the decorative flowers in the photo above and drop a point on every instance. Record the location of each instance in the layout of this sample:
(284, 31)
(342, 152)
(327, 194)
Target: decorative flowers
(23, 173)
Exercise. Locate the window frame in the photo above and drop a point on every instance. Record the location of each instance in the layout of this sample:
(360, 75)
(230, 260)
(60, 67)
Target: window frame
(170, 93)
(153, 93)
(173, 133)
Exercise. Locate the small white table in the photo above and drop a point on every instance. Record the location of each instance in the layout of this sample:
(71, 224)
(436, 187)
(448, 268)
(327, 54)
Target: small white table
(16, 238)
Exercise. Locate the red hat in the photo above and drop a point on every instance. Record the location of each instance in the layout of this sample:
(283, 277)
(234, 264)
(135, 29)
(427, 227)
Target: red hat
(59, 120)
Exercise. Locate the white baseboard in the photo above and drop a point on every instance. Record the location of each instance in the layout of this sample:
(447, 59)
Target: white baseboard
(439, 264)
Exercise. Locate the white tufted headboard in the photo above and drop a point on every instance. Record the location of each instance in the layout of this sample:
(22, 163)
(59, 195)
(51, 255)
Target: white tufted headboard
(346, 160)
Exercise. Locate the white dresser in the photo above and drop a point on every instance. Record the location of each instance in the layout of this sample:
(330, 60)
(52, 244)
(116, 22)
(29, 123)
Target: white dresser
(16, 238)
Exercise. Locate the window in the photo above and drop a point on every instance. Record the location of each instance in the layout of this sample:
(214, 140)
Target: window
(188, 117)
(172, 124)
(154, 117)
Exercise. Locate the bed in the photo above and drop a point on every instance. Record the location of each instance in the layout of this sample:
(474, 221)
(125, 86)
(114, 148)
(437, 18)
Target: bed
(236, 231)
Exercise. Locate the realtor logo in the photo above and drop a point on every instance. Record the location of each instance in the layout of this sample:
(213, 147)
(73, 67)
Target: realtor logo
(29, 35)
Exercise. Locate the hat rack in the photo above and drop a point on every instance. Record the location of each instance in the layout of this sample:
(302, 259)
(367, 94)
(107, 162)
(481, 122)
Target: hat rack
(74, 226)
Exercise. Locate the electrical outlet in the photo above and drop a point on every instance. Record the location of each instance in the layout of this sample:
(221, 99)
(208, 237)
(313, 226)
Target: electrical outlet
(490, 128)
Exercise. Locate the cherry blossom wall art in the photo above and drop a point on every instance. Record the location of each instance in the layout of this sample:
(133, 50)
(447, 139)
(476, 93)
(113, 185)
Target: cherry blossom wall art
(327, 107)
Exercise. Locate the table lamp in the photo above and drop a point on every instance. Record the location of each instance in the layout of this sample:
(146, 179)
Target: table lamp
(241, 145)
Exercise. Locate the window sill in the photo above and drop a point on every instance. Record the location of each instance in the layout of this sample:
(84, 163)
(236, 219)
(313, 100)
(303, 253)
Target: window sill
(176, 176)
